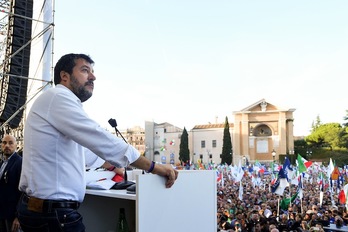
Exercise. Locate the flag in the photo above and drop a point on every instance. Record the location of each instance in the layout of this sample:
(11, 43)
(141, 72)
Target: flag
(240, 194)
(321, 197)
(301, 167)
(237, 173)
(345, 188)
(342, 197)
(335, 173)
(293, 177)
(219, 176)
(330, 168)
(283, 178)
(284, 203)
(272, 166)
(257, 164)
(321, 182)
(300, 187)
(277, 188)
(306, 162)
(201, 167)
(287, 164)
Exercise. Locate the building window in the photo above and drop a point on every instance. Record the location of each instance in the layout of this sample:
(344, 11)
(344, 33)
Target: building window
(203, 144)
(213, 144)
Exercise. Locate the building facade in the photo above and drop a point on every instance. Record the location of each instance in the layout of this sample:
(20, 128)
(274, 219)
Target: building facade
(162, 142)
(205, 142)
(259, 132)
(263, 131)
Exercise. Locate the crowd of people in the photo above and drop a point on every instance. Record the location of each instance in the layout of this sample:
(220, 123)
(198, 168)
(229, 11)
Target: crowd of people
(257, 208)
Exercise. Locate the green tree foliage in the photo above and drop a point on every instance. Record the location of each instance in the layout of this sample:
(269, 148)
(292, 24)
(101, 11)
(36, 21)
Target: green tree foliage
(301, 143)
(226, 156)
(344, 134)
(344, 137)
(327, 135)
(345, 118)
(184, 152)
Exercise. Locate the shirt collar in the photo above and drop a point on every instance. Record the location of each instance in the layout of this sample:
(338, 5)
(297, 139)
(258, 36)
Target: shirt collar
(60, 86)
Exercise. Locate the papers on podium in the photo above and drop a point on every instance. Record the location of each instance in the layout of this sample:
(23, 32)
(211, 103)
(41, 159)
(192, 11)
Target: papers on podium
(102, 180)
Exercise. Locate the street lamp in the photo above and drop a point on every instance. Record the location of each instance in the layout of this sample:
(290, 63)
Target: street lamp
(309, 154)
(273, 154)
(244, 160)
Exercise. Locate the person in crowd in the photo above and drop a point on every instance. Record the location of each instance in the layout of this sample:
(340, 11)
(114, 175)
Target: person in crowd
(254, 218)
(10, 171)
(304, 225)
(57, 135)
(338, 221)
(272, 226)
(237, 226)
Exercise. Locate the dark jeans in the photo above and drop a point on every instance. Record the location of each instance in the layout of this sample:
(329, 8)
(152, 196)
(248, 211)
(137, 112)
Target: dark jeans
(58, 220)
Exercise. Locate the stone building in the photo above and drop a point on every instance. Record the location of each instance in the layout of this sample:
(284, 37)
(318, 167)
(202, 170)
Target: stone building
(263, 131)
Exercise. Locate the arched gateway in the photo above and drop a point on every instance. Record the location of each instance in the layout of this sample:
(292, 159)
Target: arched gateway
(262, 131)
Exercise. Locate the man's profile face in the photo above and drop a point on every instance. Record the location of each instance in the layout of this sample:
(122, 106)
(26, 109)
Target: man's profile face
(82, 80)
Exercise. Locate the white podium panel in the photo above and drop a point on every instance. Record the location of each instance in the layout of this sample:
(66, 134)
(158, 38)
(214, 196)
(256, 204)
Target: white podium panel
(189, 205)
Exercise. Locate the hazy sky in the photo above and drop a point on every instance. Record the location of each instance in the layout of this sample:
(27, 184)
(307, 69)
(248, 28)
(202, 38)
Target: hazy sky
(187, 62)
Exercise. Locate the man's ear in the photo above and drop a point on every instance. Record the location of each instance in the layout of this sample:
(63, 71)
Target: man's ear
(64, 76)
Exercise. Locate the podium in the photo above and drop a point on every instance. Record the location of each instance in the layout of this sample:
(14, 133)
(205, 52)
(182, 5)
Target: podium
(189, 205)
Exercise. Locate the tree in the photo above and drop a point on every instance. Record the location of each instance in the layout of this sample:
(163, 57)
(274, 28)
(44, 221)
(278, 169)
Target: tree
(329, 134)
(345, 118)
(316, 124)
(226, 156)
(184, 152)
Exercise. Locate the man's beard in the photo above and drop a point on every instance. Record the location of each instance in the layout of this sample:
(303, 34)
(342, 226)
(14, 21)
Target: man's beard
(7, 153)
(80, 91)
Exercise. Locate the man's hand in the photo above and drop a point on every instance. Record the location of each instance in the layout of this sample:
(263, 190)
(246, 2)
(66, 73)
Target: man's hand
(15, 225)
(167, 171)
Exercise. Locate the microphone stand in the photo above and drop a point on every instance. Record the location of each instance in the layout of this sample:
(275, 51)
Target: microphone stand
(125, 182)
(113, 123)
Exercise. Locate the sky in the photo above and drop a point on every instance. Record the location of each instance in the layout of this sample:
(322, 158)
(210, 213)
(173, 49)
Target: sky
(191, 62)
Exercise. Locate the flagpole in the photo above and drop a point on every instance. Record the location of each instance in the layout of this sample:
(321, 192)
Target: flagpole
(278, 208)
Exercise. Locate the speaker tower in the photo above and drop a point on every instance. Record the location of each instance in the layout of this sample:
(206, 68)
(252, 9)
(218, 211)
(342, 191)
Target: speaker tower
(16, 65)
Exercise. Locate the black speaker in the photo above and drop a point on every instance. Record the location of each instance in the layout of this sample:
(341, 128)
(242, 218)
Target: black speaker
(201, 156)
(16, 69)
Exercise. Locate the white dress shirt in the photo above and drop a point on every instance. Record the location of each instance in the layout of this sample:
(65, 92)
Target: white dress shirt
(56, 134)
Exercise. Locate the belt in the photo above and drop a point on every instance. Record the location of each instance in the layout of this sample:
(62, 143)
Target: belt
(46, 206)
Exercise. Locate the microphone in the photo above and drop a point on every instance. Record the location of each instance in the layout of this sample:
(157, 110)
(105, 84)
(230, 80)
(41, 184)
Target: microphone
(113, 123)
(125, 183)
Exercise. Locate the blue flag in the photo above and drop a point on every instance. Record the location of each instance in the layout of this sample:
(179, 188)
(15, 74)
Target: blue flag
(275, 186)
(283, 174)
(287, 164)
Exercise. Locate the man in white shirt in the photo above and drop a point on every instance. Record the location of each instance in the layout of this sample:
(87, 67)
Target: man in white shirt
(57, 134)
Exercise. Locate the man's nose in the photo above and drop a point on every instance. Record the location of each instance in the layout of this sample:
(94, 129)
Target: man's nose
(91, 76)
